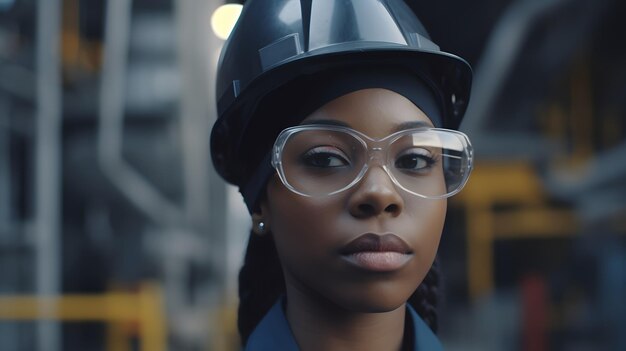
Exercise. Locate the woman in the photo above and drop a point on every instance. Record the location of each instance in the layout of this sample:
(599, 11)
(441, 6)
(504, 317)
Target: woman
(335, 121)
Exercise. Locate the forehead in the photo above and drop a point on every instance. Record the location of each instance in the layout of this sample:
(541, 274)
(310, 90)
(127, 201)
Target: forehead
(374, 112)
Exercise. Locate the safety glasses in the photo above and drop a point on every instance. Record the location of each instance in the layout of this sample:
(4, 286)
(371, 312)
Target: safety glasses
(314, 160)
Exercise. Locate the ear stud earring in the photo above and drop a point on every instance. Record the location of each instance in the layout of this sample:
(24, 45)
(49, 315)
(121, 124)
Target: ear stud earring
(259, 226)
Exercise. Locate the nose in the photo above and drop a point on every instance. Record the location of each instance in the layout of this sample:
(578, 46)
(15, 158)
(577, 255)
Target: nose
(375, 195)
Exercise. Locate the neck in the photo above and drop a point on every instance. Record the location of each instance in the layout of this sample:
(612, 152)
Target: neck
(318, 324)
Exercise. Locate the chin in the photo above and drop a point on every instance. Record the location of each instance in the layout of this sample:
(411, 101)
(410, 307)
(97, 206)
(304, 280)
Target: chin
(376, 299)
(374, 305)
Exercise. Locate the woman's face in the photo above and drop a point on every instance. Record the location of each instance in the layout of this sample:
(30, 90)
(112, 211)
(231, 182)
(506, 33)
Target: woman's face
(325, 243)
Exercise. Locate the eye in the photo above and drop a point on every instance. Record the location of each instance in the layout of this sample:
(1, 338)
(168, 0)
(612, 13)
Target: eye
(415, 160)
(325, 157)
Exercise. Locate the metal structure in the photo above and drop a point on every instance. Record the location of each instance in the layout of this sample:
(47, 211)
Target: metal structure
(47, 169)
(511, 41)
(183, 228)
(106, 182)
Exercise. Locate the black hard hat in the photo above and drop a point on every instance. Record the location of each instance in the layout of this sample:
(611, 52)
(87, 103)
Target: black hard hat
(277, 41)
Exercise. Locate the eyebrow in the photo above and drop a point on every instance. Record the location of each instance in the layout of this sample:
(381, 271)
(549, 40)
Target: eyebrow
(399, 127)
(411, 125)
(328, 122)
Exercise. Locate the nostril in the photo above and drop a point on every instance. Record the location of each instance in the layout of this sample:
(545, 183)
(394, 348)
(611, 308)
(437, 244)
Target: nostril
(366, 209)
(393, 208)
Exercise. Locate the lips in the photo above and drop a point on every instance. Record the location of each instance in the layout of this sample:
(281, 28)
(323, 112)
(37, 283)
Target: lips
(377, 253)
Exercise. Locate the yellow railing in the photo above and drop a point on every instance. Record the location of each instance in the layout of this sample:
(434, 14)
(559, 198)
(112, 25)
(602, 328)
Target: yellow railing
(127, 315)
(517, 185)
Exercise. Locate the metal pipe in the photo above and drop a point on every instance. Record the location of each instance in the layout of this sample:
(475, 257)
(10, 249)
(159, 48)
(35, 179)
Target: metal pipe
(5, 167)
(195, 96)
(203, 203)
(47, 169)
(499, 57)
(606, 168)
(111, 116)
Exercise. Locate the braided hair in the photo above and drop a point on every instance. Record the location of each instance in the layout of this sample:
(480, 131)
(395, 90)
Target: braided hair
(425, 299)
(261, 282)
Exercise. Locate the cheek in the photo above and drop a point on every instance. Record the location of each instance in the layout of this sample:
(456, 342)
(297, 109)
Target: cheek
(427, 217)
(306, 238)
(429, 214)
(300, 225)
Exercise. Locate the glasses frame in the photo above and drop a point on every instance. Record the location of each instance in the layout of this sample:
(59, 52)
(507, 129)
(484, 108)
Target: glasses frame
(373, 147)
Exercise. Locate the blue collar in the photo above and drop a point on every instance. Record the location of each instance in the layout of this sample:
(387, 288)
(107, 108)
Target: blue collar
(273, 333)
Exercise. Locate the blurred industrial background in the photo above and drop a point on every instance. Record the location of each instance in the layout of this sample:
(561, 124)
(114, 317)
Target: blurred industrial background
(117, 235)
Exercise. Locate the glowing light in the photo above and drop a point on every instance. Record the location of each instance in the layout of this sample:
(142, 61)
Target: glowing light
(6, 4)
(224, 19)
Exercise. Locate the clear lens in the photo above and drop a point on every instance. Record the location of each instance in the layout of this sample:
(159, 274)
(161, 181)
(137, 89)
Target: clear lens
(432, 163)
(318, 161)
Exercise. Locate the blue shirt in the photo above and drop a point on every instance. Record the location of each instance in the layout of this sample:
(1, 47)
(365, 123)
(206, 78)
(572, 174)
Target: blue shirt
(273, 333)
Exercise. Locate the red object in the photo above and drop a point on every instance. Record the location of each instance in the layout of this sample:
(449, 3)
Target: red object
(534, 313)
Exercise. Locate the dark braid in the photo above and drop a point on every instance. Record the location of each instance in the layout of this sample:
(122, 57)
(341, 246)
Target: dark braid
(261, 282)
(425, 298)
